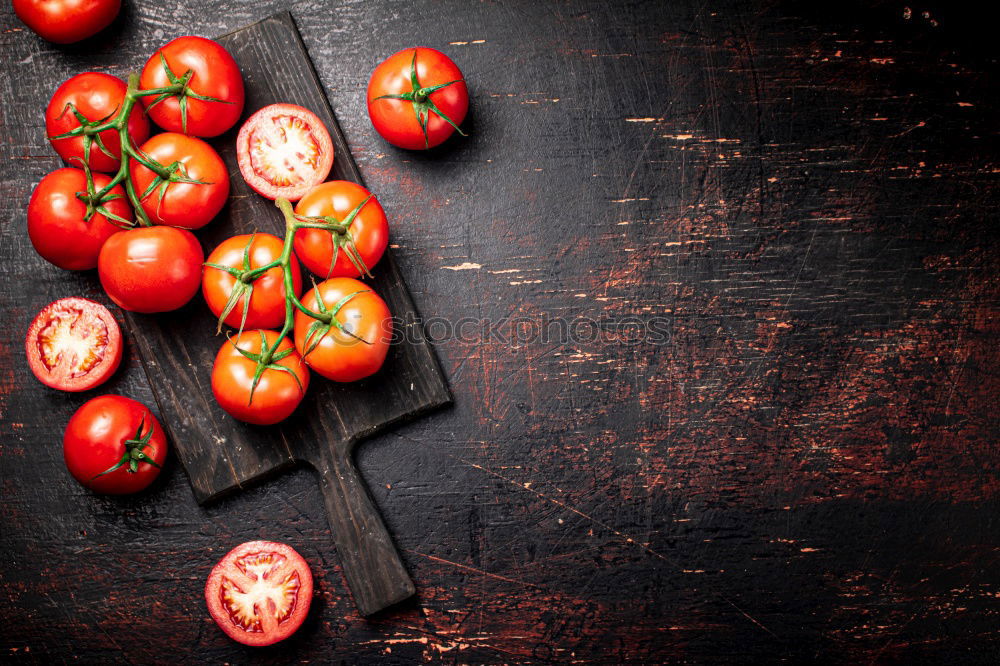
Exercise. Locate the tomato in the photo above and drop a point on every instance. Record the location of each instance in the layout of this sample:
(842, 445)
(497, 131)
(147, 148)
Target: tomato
(214, 75)
(66, 21)
(151, 269)
(73, 344)
(267, 293)
(413, 94)
(277, 393)
(98, 97)
(56, 224)
(180, 204)
(259, 592)
(114, 445)
(337, 354)
(284, 150)
(369, 229)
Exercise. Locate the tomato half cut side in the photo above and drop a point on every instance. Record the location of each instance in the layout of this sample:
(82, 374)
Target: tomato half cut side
(259, 592)
(74, 344)
(284, 150)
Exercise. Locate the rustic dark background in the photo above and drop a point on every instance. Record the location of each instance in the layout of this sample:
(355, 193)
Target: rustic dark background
(808, 468)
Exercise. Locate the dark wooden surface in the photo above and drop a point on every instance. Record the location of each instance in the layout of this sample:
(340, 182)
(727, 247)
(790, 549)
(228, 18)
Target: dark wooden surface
(808, 468)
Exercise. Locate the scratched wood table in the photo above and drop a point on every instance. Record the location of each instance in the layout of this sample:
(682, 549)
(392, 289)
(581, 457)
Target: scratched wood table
(715, 287)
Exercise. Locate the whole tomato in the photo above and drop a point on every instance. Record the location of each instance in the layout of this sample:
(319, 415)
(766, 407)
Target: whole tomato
(190, 205)
(114, 445)
(56, 224)
(358, 346)
(96, 96)
(267, 293)
(66, 21)
(278, 391)
(417, 98)
(213, 99)
(151, 269)
(369, 229)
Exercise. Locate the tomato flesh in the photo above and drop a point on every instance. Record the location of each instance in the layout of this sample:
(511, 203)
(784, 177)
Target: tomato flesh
(284, 150)
(260, 592)
(74, 344)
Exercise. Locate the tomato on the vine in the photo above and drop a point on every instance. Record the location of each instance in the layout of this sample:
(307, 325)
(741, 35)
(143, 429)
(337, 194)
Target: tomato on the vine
(283, 151)
(96, 97)
(212, 100)
(417, 98)
(66, 21)
(259, 592)
(56, 219)
(225, 292)
(262, 399)
(151, 269)
(355, 343)
(368, 231)
(73, 344)
(194, 191)
(114, 445)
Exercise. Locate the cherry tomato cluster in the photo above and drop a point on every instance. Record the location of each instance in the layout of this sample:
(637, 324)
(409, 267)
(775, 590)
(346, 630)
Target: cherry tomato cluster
(127, 204)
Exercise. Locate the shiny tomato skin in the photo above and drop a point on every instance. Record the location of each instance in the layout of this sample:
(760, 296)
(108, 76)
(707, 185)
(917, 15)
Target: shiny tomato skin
(370, 229)
(66, 21)
(58, 334)
(216, 75)
(270, 576)
(339, 356)
(95, 438)
(151, 269)
(277, 393)
(267, 300)
(56, 226)
(395, 119)
(284, 150)
(185, 205)
(96, 95)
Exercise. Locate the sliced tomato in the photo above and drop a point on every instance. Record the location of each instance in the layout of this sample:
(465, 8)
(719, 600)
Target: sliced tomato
(284, 150)
(74, 344)
(259, 593)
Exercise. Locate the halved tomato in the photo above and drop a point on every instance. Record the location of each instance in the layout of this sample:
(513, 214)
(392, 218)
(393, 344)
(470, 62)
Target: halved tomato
(259, 593)
(284, 150)
(74, 344)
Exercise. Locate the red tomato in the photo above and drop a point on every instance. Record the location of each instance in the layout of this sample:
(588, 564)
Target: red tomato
(278, 392)
(259, 593)
(114, 445)
(425, 89)
(267, 295)
(96, 96)
(73, 344)
(66, 21)
(369, 229)
(334, 353)
(151, 269)
(284, 150)
(186, 205)
(214, 75)
(56, 224)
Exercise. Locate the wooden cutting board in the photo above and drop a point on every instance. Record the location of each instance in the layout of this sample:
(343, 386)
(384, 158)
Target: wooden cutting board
(178, 349)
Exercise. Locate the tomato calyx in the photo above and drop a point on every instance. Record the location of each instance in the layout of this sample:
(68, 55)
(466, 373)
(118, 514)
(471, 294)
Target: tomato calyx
(267, 359)
(319, 328)
(90, 130)
(420, 97)
(134, 453)
(180, 88)
(340, 236)
(95, 200)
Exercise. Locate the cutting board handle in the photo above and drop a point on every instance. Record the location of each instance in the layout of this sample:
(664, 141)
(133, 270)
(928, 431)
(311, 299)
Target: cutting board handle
(371, 563)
